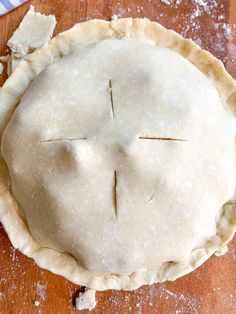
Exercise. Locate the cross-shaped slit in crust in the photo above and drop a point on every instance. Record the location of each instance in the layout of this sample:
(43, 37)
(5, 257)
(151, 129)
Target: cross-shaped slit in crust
(141, 137)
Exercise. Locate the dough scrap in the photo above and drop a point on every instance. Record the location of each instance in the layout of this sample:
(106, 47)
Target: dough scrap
(34, 30)
(86, 300)
(222, 251)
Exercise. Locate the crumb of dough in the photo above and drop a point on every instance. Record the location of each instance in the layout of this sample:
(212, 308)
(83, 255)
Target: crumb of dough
(221, 251)
(36, 303)
(114, 17)
(86, 300)
(4, 59)
(34, 30)
(1, 68)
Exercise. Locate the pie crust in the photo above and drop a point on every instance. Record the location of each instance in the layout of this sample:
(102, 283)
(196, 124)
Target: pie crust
(194, 140)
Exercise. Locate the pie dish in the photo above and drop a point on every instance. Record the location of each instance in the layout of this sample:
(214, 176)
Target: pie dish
(118, 155)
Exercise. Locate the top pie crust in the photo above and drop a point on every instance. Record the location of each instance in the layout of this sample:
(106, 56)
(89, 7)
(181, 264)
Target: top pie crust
(130, 201)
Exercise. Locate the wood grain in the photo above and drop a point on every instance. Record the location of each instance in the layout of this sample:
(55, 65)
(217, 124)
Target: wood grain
(209, 289)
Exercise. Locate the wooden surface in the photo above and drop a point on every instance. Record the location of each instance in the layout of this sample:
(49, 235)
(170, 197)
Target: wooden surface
(209, 289)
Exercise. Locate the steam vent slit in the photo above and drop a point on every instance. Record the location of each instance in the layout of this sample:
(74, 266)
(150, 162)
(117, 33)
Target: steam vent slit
(111, 97)
(115, 193)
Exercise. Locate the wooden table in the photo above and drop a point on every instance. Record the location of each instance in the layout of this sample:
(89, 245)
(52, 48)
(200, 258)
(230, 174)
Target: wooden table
(209, 289)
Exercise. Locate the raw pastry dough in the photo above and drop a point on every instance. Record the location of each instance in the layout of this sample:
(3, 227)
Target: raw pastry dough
(34, 30)
(222, 251)
(86, 300)
(121, 155)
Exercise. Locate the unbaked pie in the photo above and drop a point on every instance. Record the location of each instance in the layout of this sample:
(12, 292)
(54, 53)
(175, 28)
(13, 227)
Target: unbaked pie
(118, 154)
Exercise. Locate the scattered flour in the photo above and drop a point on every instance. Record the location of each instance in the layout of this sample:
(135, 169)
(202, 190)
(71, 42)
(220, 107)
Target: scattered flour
(170, 2)
(120, 11)
(148, 298)
(184, 303)
(196, 12)
(232, 49)
(201, 2)
(167, 2)
(40, 290)
(221, 17)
